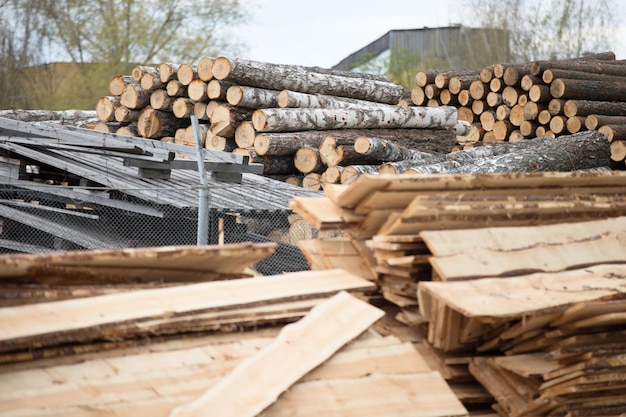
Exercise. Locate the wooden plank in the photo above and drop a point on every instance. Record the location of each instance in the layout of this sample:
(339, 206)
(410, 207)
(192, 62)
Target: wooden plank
(66, 320)
(605, 248)
(423, 394)
(162, 264)
(298, 349)
(512, 297)
(452, 242)
(367, 184)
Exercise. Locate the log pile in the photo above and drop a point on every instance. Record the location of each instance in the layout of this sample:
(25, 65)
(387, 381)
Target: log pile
(278, 115)
(512, 102)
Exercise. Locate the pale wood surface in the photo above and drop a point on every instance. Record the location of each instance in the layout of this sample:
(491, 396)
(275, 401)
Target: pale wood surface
(298, 349)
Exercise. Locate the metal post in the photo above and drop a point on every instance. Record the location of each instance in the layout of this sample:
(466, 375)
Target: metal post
(203, 190)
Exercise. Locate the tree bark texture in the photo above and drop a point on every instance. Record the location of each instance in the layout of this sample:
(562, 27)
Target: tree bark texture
(580, 151)
(586, 107)
(289, 120)
(156, 123)
(564, 88)
(105, 108)
(295, 78)
(252, 97)
(288, 98)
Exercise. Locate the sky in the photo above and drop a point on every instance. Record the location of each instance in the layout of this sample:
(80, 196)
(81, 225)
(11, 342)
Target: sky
(323, 32)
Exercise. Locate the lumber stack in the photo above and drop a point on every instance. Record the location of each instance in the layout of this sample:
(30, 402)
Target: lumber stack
(512, 102)
(509, 295)
(385, 215)
(297, 121)
(330, 362)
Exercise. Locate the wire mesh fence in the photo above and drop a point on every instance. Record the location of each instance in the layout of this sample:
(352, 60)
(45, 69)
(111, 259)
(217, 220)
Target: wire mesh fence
(61, 218)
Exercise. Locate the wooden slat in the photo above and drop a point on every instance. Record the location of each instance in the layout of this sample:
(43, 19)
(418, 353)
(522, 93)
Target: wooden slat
(452, 242)
(545, 258)
(413, 395)
(298, 349)
(511, 297)
(47, 323)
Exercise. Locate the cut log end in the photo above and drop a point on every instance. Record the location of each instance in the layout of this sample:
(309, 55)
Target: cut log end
(221, 68)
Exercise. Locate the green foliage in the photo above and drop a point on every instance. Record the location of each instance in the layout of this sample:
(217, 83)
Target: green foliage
(102, 38)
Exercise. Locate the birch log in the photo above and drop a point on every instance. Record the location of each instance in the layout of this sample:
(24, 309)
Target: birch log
(580, 151)
(288, 98)
(119, 82)
(105, 108)
(218, 90)
(135, 97)
(252, 97)
(156, 123)
(297, 78)
(290, 120)
(286, 143)
(385, 150)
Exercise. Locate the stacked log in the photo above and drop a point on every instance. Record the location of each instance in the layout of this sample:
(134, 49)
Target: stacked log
(510, 102)
(264, 110)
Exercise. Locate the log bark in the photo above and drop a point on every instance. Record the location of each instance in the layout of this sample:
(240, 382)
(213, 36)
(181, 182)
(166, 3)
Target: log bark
(308, 160)
(218, 90)
(245, 135)
(187, 73)
(550, 75)
(583, 150)
(618, 150)
(332, 175)
(252, 97)
(595, 121)
(128, 130)
(312, 181)
(418, 97)
(586, 107)
(540, 93)
(422, 78)
(288, 98)
(160, 100)
(226, 118)
(119, 82)
(139, 70)
(183, 107)
(105, 108)
(154, 123)
(199, 110)
(204, 69)
(151, 81)
(565, 88)
(575, 124)
(613, 132)
(295, 78)
(602, 65)
(135, 97)
(175, 88)
(167, 72)
(219, 143)
(433, 141)
(382, 150)
(272, 165)
(125, 115)
(197, 90)
(352, 172)
(285, 120)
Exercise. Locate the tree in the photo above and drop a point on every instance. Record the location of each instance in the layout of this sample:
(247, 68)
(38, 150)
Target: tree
(552, 29)
(103, 38)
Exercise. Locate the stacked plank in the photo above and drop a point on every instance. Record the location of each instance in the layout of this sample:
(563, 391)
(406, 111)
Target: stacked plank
(330, 362)
(511, 102)
(488, 265)
(384, 216)
(551, 300)
(278, 115)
